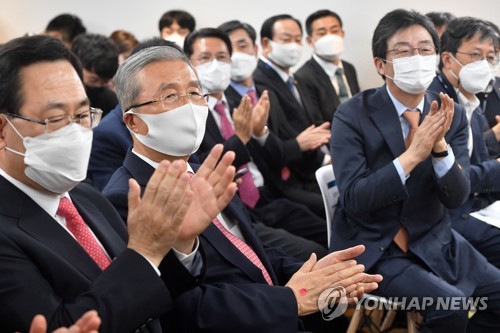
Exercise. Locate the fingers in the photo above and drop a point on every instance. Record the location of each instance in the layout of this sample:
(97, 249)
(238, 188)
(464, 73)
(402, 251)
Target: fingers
(89, 322)
(169, 183)
(434, 108)
(349, 253)
(210, 162)
(154, 181)
(220, 171)
(497, 119)
(38, 324)
(309, 264)
(325, 125)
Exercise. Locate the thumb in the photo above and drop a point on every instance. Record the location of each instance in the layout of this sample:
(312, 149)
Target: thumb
(434, 107)
(38, 325)
(497, 117)
(309, 264)
(134, 195)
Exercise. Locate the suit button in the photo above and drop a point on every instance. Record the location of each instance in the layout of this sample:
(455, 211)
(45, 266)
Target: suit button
(465, 215)
(382, 248)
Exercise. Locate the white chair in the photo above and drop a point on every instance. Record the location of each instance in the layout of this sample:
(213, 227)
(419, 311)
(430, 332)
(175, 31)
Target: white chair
(379, 320)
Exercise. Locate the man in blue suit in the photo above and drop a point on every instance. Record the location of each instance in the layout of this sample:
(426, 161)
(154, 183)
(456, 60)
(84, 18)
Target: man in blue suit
(469, 46)
(400, 158)
(247, 287)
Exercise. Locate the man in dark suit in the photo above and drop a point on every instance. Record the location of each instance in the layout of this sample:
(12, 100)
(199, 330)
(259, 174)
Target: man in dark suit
(296, 146)
(64, 249)
(247, 287)
(258, 150)
(401, 161)
(328, 79)
(281, 40)
(490, 103)
(466, 41)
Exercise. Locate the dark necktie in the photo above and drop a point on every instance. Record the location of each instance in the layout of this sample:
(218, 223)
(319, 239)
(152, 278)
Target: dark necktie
(342, 93)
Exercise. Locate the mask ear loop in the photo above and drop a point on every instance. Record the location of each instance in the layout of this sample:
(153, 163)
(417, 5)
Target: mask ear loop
(454, 75)
(17, 132)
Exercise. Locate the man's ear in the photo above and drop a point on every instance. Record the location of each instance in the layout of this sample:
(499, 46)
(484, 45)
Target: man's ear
(130, 122)
(3, 123)
(379, 65)
(310, 42)
(447, 59)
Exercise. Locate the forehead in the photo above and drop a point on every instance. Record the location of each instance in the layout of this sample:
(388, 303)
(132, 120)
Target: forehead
(157, 75)
(477, 42)
(239, 35)
(54, 82)
(412, 35)
(288, 26)
(325, 22)
(209, 45)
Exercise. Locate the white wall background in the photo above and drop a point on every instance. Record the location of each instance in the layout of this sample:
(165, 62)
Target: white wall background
(18, 17)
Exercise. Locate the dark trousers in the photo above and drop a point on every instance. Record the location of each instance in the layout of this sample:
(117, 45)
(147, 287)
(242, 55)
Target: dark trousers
(405, 275)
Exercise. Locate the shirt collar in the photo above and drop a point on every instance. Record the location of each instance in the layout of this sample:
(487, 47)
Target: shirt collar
(469, 105)
(400, 107)
(283, 75)
(329, 67)
(47, 201)
(241, 89)
(212, 101)
(155, 164)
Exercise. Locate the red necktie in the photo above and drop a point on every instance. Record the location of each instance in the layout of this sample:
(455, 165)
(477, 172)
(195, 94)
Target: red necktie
(245, 249)
(253, 97)
(413, 117)
(79, 229)
(249, 193)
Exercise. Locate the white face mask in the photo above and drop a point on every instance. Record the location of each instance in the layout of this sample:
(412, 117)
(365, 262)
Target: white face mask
(475, 76)
(214, 76)
(285, 55)
(57, 161)
(242, 66)
(176, 38)
(177, 132)
(329, 47)
(414, 74)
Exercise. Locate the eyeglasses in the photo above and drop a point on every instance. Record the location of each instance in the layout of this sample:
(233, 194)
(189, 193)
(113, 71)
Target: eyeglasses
(169, 101)
(220, 57)
(88, 119)
(406, 51)
(476, 56)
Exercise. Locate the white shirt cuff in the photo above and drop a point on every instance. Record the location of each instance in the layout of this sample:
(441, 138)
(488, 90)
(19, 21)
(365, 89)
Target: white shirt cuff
(187, 259)
(442, 166)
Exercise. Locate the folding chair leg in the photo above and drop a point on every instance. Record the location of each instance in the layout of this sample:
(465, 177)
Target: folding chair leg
(356, 318)
(411, 318)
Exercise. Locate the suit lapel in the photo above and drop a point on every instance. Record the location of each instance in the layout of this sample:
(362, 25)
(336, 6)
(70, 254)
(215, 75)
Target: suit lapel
(37, 223)
(213, 130)
(385, 118)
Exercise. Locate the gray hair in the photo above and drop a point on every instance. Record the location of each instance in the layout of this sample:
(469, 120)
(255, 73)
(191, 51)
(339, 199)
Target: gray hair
(128, 86)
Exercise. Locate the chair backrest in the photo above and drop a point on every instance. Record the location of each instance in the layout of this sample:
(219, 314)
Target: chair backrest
(330, 193)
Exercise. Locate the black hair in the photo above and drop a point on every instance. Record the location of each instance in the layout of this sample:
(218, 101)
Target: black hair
(183, 18)
(463, 29)
(22, 52)
(317, 15)
(230, 26)
(267, 30)
(69, 25)
(97, 54)
(395, 21)
(440, 18)
(204, 33)
(155, 41)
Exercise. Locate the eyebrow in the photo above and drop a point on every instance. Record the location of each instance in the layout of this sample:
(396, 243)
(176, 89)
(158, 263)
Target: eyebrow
(58, 105)
(167, 85)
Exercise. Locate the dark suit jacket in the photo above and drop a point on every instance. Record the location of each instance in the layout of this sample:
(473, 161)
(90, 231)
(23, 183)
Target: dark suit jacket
(44, 270)
(484, 172)
(490, 103)
(324, 99)
(374, 204)
(287, 118)
(233, 296)
(110, 143)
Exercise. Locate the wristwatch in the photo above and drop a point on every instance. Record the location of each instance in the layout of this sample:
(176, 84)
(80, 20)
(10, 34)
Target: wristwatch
(440, 154)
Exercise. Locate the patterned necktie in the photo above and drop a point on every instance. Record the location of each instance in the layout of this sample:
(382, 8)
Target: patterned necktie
(81, 232)
(249, 193)
(413, 117)
(291, 86)
(253, 97)
(245, 249)
(342, 93)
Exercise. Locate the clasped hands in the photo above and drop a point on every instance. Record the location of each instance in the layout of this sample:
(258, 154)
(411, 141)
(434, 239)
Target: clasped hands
(337, 269)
